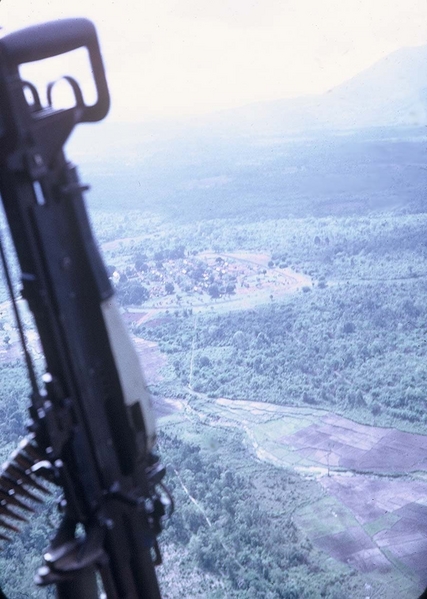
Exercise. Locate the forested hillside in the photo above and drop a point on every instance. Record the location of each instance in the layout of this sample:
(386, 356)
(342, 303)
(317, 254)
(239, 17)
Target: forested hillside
(355, 349)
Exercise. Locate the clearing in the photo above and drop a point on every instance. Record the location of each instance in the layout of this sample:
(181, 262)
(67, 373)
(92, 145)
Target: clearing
(374, 479)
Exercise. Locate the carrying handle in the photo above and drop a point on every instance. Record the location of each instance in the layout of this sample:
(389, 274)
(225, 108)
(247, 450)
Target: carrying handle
(57, 37)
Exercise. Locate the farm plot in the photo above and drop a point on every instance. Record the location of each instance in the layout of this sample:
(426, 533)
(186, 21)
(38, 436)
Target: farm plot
(336, 441)
(374, 513)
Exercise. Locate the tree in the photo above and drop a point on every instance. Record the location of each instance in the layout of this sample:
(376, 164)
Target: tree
(349, 327)
(376, 409)
(132, 293)
(169, 288)
(204, 361)
(239, 340)
(213, 290)
(141, 262)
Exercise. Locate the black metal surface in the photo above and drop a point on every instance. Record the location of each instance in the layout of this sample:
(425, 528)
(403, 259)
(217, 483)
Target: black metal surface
(80, 421)
(58, 37)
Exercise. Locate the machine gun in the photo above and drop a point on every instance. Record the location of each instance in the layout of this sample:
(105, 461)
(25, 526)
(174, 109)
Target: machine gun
(91, 430)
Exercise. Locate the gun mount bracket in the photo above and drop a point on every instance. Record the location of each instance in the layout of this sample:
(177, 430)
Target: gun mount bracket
(68, 555)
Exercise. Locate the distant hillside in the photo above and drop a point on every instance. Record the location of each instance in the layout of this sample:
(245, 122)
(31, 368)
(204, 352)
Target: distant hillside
(390, 93)
(359, 147)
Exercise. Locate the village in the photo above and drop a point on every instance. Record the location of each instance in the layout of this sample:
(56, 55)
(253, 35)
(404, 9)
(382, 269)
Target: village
(177, 279)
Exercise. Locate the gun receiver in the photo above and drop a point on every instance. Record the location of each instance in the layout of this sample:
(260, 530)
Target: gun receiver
(92, 429)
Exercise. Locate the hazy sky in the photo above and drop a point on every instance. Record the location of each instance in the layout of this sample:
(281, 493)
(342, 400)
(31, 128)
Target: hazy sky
(172, 57)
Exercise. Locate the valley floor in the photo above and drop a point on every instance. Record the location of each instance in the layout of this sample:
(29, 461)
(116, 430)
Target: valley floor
(369, 515)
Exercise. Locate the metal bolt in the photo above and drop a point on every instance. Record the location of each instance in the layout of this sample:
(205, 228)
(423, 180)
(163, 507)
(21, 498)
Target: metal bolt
(47, 378)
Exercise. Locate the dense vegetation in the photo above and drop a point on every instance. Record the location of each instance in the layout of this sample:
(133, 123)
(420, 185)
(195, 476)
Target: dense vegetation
(236, 526)
(203, 176)
(356, 349)
(355, 342)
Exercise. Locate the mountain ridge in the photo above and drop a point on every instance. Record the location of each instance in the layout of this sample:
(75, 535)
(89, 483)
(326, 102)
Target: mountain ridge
(389, 93)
